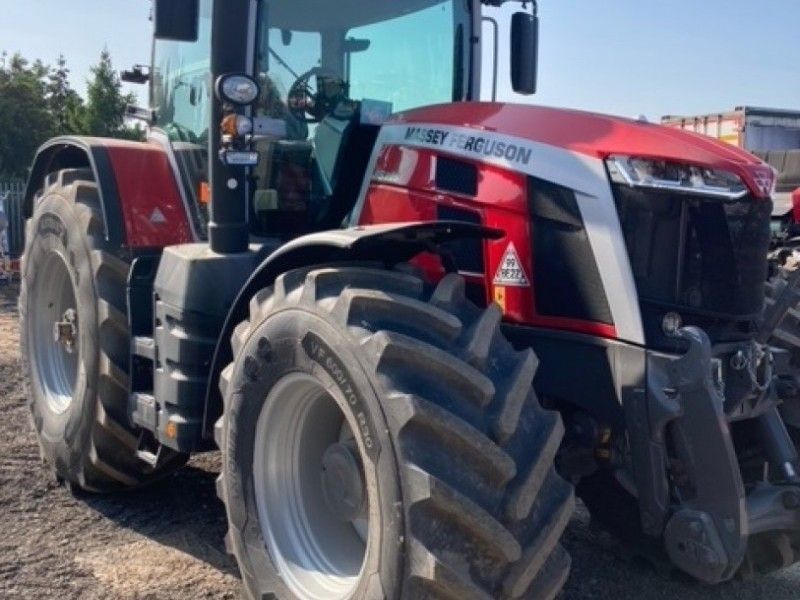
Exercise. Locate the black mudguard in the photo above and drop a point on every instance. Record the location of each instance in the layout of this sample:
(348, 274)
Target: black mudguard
(391, 244)
(75, 152)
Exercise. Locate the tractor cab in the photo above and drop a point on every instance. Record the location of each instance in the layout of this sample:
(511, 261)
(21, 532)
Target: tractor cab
(327, 77)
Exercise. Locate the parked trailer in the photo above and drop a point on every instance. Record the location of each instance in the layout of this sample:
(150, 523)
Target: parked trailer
(751, 128)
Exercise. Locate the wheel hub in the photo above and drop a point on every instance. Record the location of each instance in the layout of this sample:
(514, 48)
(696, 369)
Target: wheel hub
(52, 332)
(342, 481)
(310, 490)
(65, 331)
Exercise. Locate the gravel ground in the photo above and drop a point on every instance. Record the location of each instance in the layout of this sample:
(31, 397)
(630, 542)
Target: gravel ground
(166, 542)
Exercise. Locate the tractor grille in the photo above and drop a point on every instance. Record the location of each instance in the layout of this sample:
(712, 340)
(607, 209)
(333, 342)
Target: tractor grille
(703, 258)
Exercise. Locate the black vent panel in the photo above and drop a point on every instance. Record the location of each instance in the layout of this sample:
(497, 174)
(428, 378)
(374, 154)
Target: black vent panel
(468, 253)
(456, 176)
(568, 282)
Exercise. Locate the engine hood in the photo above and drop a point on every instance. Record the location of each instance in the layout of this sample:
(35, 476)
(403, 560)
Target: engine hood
(598, 136)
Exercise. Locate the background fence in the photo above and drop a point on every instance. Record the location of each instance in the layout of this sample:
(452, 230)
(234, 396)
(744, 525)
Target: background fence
(11, 194)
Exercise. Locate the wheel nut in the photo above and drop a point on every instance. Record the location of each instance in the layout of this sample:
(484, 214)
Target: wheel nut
(65, 332)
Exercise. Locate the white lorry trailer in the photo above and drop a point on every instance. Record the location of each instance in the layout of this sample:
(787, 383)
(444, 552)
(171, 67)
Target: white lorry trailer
(771, 134)
(751, 128)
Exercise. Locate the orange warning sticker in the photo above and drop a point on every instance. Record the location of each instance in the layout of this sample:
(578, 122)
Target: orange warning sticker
(500, 297)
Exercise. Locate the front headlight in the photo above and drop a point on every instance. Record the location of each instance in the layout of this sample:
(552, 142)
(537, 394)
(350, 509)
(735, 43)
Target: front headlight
(663, 175)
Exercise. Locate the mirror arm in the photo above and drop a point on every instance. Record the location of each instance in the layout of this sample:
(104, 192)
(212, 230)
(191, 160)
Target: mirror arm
(493, 22)
(525, 3)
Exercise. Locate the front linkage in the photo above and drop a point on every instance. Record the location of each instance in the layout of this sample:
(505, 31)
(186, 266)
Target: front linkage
(712, 460)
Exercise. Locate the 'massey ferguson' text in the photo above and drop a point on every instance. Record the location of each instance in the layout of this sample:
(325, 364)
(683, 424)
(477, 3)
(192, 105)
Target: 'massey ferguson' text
(474, 144)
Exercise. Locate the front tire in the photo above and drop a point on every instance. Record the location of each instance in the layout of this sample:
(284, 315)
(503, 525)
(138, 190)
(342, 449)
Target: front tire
(75, 342)
(383, 440)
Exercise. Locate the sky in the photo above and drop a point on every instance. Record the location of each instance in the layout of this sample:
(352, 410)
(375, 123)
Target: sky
(626, 57)
(79, 29)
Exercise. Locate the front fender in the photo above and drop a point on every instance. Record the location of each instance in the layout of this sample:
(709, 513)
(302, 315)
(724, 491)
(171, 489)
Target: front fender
(140, 199)
(390, 244)
(74, 152)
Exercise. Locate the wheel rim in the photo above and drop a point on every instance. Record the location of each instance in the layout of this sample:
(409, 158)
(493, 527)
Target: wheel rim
(310, 492)
(56, 350)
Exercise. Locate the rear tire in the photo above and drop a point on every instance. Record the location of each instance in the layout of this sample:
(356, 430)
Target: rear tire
(780, 328)
(455, 455)
(78, 386)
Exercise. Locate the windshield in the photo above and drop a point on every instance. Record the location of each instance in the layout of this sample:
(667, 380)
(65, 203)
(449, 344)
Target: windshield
(330, 75)
(394, 55)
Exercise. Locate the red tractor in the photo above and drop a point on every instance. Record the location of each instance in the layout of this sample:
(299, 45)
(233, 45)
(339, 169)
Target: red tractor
(410, 321)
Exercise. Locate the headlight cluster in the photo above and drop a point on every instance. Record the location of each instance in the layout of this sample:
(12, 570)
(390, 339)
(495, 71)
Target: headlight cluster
(663, 175)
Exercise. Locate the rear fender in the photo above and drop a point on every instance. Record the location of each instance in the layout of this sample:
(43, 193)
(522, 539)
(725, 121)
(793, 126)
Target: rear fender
(140, 198)
(390, 244)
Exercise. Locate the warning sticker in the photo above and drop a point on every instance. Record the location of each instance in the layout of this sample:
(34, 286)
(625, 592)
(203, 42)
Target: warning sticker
(500, 297)
(510, 272)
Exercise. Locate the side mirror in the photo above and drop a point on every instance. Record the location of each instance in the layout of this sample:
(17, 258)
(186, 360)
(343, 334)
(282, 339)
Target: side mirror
(524, 52)
(136, 75)
(177, 20)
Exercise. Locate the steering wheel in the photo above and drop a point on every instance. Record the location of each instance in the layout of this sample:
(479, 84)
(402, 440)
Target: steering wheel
(311, 102)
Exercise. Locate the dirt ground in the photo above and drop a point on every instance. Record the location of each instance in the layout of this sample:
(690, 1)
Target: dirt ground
(167, 542)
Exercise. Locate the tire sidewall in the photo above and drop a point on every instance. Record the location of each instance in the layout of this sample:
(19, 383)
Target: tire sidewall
(297, 341)
(55, 228)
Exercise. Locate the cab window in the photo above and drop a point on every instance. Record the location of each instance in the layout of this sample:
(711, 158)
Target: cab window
(181, 97)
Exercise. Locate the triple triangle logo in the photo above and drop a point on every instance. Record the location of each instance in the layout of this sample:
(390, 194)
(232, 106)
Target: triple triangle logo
(158, 218)
(511, 272)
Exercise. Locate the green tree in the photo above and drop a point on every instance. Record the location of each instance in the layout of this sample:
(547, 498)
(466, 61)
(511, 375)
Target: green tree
(65, 105)
(25, 118)
(105, 107)
(38, 102)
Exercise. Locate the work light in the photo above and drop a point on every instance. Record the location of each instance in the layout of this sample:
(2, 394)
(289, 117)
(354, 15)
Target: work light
(238, 89)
